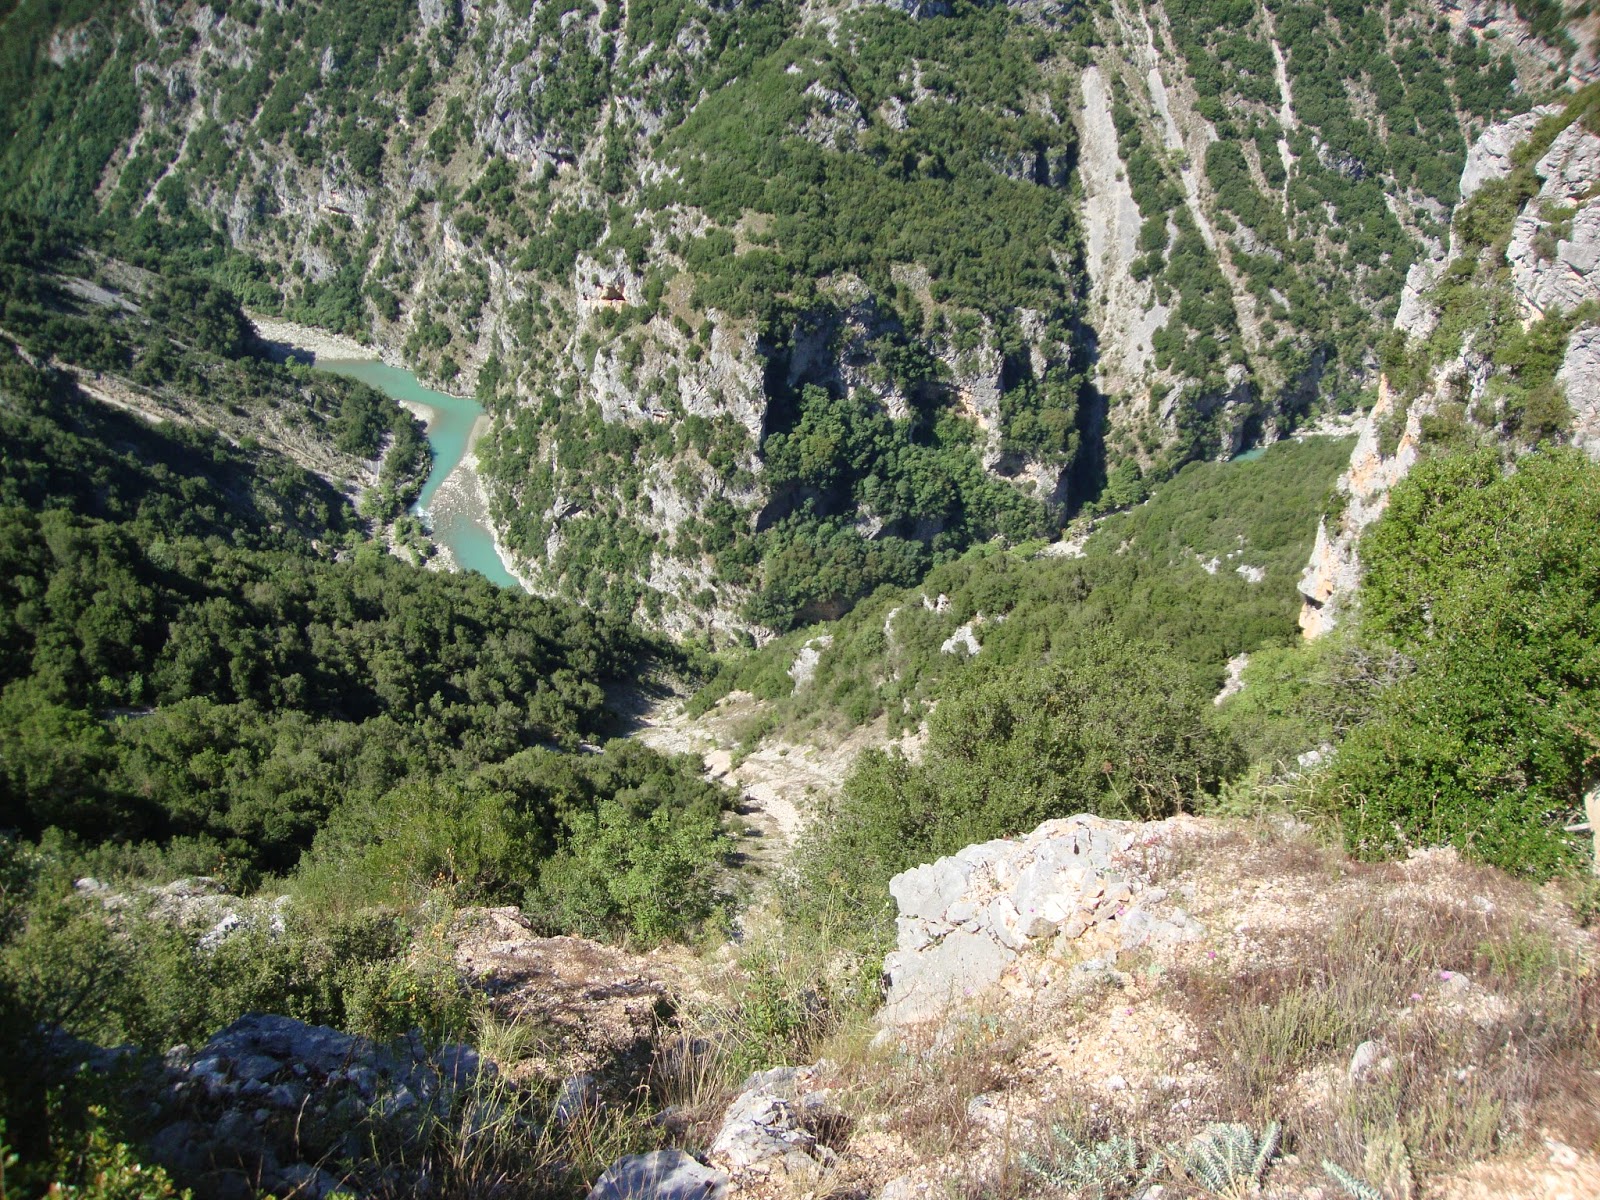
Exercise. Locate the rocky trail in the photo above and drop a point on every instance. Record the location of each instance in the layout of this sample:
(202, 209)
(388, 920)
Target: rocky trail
(780, 782)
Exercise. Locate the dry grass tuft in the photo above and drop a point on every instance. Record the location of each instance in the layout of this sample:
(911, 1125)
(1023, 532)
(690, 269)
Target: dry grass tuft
(497, 1142)
(927, 1085)
(1483, 1025)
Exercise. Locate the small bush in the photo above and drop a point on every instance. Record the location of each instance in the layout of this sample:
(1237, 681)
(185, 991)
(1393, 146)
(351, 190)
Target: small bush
(96, 1167)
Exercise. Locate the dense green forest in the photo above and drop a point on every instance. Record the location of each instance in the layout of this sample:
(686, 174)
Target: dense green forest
(212, 666)
(205, 656)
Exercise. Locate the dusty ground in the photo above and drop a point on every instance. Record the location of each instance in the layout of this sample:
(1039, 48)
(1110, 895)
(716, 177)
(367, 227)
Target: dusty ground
(1477, 993)
(584, 1007)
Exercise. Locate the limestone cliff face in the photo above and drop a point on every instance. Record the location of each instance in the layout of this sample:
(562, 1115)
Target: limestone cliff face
(1215, 205)
(1555, 244)
(1551, 266)
(1334, 571)
(1500, 19)
(1579, 377)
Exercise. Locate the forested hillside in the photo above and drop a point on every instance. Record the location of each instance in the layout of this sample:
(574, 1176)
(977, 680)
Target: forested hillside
(777, 303)
(1202, 572)
(207, 649)
(211, 664)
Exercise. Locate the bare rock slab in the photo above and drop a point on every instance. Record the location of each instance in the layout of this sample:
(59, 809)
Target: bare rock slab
(659, 1175)
(1077, 887)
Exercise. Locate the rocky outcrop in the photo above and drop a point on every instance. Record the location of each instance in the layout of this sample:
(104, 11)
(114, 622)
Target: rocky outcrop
(1502, 20)
(1123, 307)
(200, 905)
(772, 1127)
(598, 1006)
(1490, 156)
(1554, 253)
(272, 1105)
(773, 1130)
(1555, 244)
(1334, 572)
(1074, 893)
(1579, 378)
(804, 667)
(659, 1175)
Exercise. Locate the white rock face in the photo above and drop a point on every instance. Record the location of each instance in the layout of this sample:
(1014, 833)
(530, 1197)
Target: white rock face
(969, 920)
(1334, 572)
(1417, 315)
(1490, 156)
(804, 667)
(1566, 204)
(1126, 310)
(1580, 377)
(1234, 683)
(962, 641)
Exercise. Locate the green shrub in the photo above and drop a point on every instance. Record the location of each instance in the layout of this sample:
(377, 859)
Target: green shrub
(1302, 696)
(92, 1164)
(425, 835)
(1491, 579)
(1112, 727)
(626, 870)
(1142, 575)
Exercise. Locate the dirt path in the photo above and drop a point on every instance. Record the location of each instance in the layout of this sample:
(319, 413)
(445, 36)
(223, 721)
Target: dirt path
(782, 784)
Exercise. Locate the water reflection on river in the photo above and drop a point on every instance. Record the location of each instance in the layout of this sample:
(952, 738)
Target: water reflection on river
(450, 502)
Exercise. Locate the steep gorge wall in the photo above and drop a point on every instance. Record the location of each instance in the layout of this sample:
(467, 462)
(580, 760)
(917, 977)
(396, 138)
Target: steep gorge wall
(1267, 174)
(570, 209)
(1465, 328)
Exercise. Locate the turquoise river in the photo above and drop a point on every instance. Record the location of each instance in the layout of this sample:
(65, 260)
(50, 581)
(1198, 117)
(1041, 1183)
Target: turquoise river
(458, 525)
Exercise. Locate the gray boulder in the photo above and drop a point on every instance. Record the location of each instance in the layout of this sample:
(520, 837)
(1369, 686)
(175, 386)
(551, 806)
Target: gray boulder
(659, 1175)
(288, 1103)
(769, 1125)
